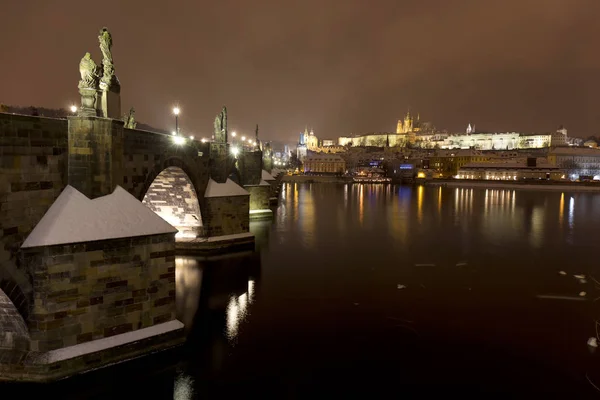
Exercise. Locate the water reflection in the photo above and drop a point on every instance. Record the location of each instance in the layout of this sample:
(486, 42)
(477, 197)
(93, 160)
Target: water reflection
(571, 211)
(420, 191)
(561, 209)
(224, 293)
(184, 387)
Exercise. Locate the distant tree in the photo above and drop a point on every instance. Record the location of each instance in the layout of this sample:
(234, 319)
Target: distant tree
(4, 108)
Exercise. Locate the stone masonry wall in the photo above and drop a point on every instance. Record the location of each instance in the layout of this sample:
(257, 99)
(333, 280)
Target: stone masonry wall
(95, 155)
(14, 337)
(227, 215)
(99, 289)
(251, 167)
(259, 196)
(32, 174)
(172, 196)
(219, 162)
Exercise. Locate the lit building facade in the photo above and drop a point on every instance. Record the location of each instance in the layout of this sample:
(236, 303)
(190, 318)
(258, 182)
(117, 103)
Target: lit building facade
(511, 172)
(576, 161)
(324, 164)
(467, 140)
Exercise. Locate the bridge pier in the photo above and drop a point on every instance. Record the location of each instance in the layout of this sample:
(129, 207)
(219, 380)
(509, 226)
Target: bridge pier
(95, 155)
(251, 171)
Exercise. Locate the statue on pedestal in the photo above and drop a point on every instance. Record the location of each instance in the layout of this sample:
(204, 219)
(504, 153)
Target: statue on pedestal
(257, 144)
(129, 119)
(108, 70)
(89, 73)
(220, 126)
(110, 99)
(88, 85)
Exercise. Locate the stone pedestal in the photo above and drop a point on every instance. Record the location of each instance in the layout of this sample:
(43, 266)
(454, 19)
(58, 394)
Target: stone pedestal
(109, 105)
(95, 155)
(88, 102)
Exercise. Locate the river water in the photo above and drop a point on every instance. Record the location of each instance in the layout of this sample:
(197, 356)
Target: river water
(386, 291)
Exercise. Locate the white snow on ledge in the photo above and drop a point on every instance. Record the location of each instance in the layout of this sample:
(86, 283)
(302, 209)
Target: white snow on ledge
(74, 218)
(95, 346)
(229, 188)
(267, 176)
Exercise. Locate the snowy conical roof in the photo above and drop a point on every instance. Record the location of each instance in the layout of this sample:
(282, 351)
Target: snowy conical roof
(229, 188)
(267, 176)
(74, 218)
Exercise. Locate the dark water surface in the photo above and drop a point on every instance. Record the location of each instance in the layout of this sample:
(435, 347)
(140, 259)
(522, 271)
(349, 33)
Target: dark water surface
(385, 291)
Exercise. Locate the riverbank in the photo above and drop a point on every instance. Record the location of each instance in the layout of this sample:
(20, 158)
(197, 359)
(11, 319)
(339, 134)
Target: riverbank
(316, 179)
(565, 187)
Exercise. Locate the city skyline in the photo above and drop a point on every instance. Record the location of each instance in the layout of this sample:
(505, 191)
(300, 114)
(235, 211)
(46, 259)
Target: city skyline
(341, 71)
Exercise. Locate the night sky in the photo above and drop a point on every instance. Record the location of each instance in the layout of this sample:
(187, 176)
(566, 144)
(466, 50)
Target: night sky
(345, 66)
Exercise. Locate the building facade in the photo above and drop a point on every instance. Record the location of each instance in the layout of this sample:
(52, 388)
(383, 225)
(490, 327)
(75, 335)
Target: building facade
(576, 161)
(324, 164)
(511, 171)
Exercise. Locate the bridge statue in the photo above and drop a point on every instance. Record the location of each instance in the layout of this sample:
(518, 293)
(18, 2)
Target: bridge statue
(129, 119)
(108, 77)
(220, 126)
(110, 99)
(257, 145)
(89, 73)
(88, 85)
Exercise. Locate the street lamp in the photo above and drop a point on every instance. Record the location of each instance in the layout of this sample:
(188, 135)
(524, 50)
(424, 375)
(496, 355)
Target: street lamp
(176, 111)
(243, 138)
(73, 108)
(233, 134)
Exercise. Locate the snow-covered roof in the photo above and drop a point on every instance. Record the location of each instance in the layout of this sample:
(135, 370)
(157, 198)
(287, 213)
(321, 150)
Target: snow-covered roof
(267, 176)
(74, 218)
(229, 188)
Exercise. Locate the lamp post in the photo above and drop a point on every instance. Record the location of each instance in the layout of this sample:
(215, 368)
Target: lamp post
(176, 112)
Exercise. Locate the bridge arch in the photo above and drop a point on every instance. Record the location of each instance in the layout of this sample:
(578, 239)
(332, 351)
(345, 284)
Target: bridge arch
(170, 191)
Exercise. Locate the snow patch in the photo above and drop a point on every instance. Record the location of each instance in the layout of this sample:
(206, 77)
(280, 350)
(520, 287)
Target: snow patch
(95, 346)
(74, 218)
(229, 188)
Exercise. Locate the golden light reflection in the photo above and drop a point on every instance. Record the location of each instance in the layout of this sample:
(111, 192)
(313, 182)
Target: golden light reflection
(398, 215)
(440, 201)
(346, 196)
(307, 217)
(295, 201)
(361, 209)
(537, 226)
(486, 200)
(513, 201)
(420, 191)
(188, 282)
(561, 209)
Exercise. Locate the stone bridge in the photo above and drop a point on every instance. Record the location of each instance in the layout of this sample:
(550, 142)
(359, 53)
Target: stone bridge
(40, 156)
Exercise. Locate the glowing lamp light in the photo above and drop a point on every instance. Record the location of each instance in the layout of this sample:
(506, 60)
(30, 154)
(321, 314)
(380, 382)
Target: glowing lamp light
(191, 138)
(203, 140)
(243, 138)
(174, 133)
(179, 140)
(73, 109)
(233, 134)
(235, 151)
(176, 110)
(421, 175)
